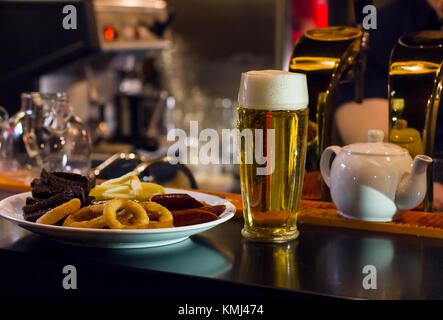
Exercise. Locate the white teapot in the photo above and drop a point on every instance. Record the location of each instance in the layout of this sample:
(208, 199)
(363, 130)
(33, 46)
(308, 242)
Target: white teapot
(372, 181)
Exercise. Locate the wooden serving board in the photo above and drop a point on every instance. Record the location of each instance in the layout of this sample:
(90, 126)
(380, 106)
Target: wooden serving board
(415, 223)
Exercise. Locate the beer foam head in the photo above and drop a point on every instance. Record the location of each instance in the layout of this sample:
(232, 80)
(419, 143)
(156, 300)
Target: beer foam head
(273, 90)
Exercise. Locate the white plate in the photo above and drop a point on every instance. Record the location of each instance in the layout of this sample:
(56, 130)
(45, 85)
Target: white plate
(11, 209)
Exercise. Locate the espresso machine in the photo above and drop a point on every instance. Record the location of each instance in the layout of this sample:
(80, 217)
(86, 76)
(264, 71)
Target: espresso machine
(91, 62)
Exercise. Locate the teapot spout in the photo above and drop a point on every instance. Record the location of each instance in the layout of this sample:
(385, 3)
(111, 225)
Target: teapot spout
(412, 187)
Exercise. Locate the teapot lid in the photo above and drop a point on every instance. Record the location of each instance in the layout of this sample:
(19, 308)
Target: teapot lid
(375, 146)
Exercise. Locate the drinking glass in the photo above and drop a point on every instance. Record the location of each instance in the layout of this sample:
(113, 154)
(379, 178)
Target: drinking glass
(273, 123)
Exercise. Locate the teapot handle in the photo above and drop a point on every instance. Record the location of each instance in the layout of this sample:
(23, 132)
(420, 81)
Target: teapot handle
(325, 161)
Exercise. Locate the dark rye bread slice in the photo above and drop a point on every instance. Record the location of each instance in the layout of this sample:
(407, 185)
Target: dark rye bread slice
(33, 216)
(55, 188)
(86, 183)
(30, 200)
(43, 191)
(33, 211)
(51, 202)
(62, 179)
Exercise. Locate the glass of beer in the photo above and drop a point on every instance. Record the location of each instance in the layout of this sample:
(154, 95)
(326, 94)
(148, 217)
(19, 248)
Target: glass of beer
(272, 124)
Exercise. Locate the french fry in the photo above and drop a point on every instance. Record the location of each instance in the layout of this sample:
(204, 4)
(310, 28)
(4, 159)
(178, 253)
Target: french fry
(116, 196)
(149, 190)
(119, 180)
(128, 186)
(118, 189)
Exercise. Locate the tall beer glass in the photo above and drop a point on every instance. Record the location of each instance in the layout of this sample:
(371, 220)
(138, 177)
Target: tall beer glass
(272, 123)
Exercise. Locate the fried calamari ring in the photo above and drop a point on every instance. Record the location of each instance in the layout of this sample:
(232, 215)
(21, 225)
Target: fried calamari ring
(140, 217)
(125, 217)
(157, 211)
(87, 217)
(58, 213)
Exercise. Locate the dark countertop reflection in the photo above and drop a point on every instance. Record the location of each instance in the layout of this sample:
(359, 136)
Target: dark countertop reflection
(323, 260)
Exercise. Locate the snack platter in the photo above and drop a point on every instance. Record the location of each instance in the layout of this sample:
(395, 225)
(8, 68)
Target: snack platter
(122, 227)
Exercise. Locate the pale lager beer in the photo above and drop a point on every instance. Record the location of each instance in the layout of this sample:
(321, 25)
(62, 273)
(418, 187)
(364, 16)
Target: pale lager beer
(273, 106)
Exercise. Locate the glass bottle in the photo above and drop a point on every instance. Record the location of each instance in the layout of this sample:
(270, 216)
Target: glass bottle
(70, 141)
(55, 127)
(20, 147)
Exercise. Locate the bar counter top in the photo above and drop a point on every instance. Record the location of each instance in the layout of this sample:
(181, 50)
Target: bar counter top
(323, 263)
